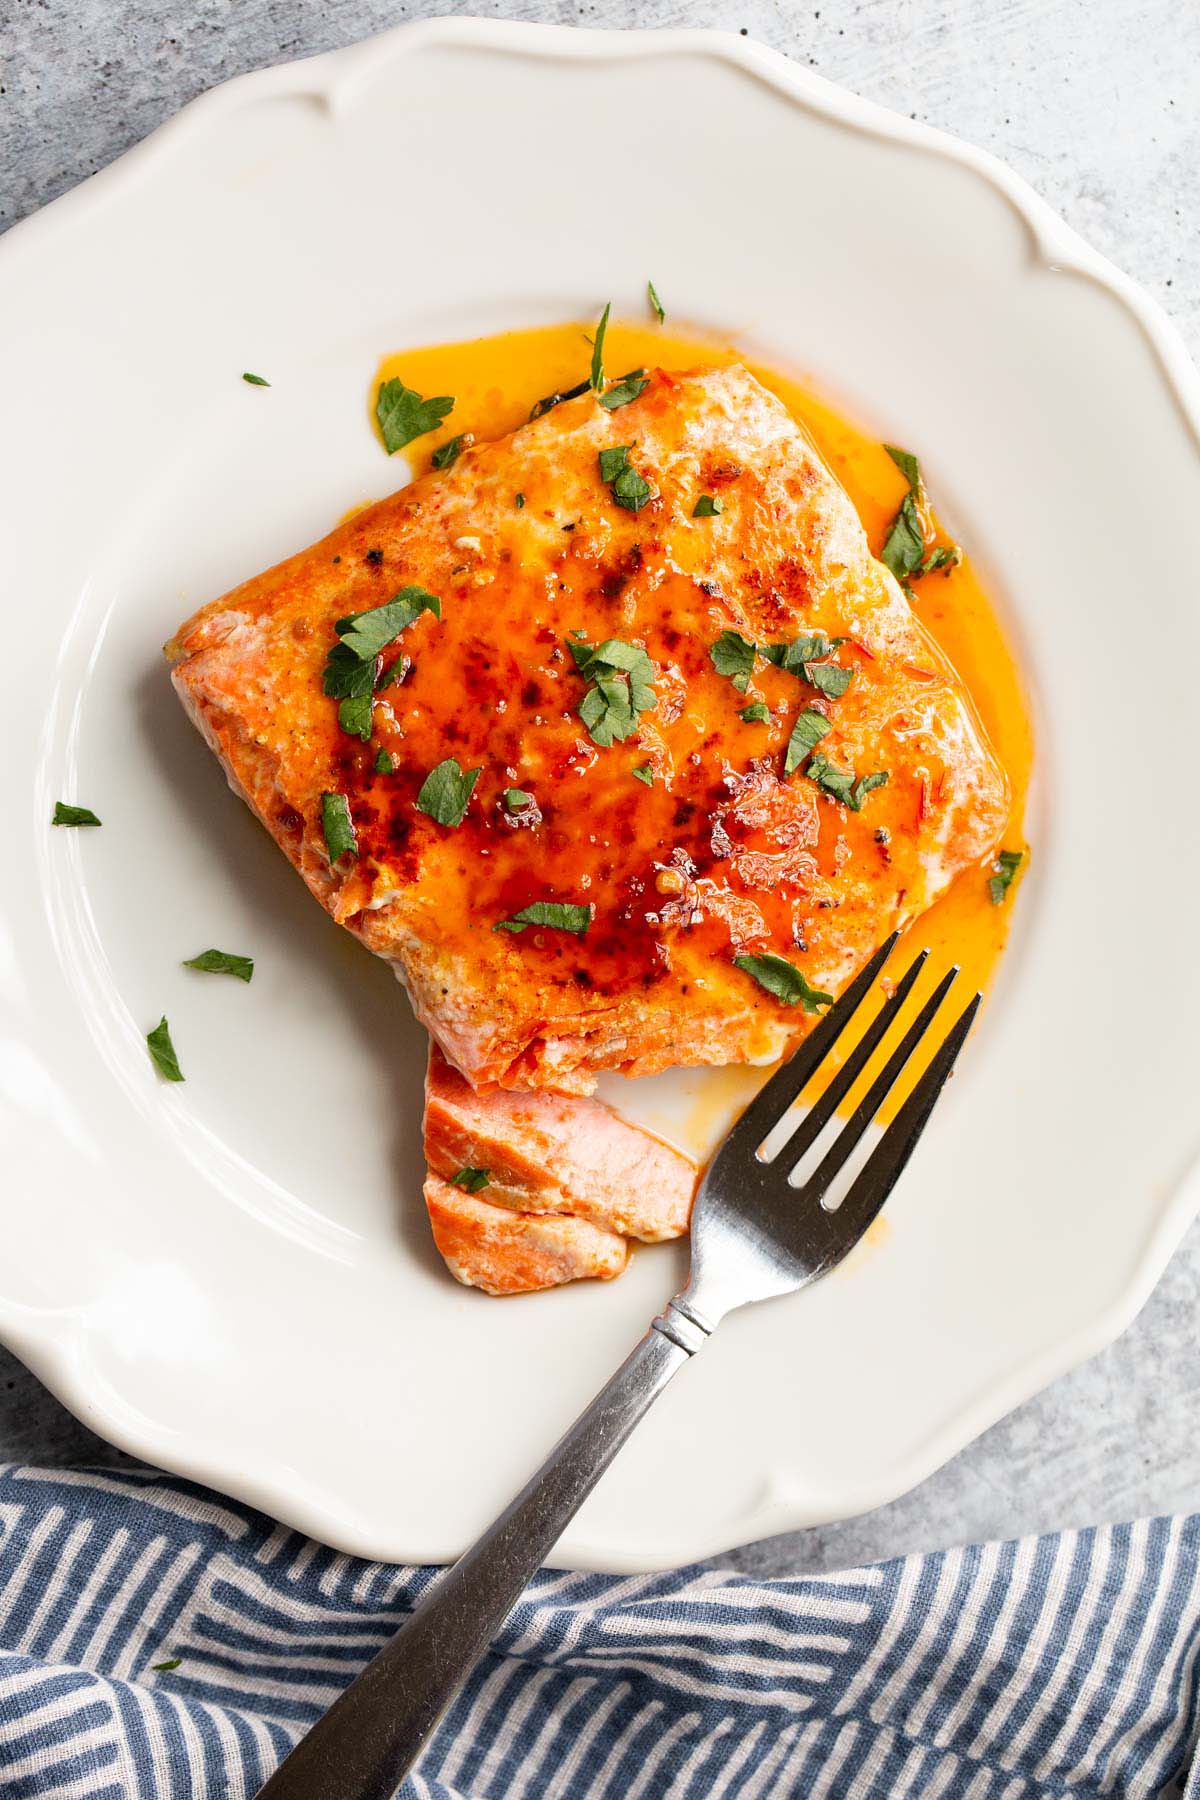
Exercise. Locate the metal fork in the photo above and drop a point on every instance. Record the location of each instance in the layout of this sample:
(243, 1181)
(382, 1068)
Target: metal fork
(755, 1234)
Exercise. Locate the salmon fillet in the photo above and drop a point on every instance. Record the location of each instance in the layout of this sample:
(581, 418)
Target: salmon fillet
(575, 734)
(544, 1155)
(675, 847)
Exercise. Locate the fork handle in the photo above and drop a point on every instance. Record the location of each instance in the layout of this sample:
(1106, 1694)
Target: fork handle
(372, 1735)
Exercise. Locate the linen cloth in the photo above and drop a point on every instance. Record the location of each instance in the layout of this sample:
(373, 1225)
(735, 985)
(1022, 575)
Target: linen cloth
(1054, 1666)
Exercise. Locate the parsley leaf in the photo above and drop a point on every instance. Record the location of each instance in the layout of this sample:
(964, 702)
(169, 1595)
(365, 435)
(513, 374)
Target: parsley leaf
(552, 400)
(829, 679)
(841, 785)
(644, 772)
(807, 732)
(905, 544)
(471, 1180)
(943, 556)
(784, 980)
(551, 913)
(338, 827)
(597, 379)
(348, 676)
(222, 962)
(519, 502)
(446, 790)
(1007, 864)
(612, 461)
(73, 815)
(656, 303)
(403, 415)
(172, 1662)
(800, 659)
(385, 763)
(256, 380)
(707, 506)
(448, 453)
(355, 716)
(756, 713)
(366, 634)
(627, 389)
(516, 800)
(621, 677)
(733, 655)
(162, 1051)
(907, 464)
(629, 489)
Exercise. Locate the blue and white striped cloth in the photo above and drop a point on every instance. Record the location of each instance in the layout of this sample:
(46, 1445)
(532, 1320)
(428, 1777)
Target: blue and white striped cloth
(1055, 1666)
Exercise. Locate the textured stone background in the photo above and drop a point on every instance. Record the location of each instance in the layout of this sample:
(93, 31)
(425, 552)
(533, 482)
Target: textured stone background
(1097, 103)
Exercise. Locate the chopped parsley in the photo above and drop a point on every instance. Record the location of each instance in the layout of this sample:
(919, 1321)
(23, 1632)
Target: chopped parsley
(619, 677)
(352, 667)
(471, 1180)
(162, 1051)
(554, 914)
(708, 506)
(403, 415)
(519, 502)
(597, 376)
(944, 557)
(800, 658)
(757, 713)
(552, 400)
(905, 543)
(516, 800)
(73, 815)
(625, 390)
(446, 790)
(784, 980)
(1007, 864)
(807, 732)
(448, 453)
(355, 716)
(172, 1662)
(644, 772)
(385, 763)
(629, 489)
(841, 784)
(256, 380)
(656, 303)
(733, 655)
(222, 962)
(338, 827)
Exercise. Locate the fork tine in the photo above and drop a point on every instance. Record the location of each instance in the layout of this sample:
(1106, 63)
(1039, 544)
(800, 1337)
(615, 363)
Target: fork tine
(773, 1099)
(851, 1133)
(885, 1165)
(815, 1121)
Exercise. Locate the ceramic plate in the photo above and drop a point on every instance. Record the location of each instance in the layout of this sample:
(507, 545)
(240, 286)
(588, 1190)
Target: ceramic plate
(234, 1278)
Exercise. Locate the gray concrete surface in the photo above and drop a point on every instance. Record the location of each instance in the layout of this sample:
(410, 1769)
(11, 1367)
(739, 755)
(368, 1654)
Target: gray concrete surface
(1097, 103)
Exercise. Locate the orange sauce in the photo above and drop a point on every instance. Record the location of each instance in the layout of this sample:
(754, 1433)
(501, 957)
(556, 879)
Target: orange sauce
(495, 380)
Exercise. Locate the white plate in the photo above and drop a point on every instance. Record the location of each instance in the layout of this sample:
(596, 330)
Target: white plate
(233, 1278)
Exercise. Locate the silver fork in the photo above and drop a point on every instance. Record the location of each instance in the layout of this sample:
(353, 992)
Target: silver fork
(754, 1235)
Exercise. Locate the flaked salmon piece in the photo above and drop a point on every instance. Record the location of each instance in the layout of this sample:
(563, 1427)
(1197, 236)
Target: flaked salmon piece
(552, 1153)
(505, 1252)
(667, 830)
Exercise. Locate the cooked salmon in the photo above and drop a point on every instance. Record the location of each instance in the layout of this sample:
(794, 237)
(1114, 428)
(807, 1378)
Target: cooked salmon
(541, 1155)
(588, 651)
(617, 743)
(506, 1252)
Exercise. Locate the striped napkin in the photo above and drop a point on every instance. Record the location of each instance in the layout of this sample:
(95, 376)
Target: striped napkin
(159, 1642)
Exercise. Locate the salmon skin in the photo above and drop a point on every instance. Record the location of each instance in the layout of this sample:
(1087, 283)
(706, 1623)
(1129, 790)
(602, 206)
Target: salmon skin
(691, 719)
